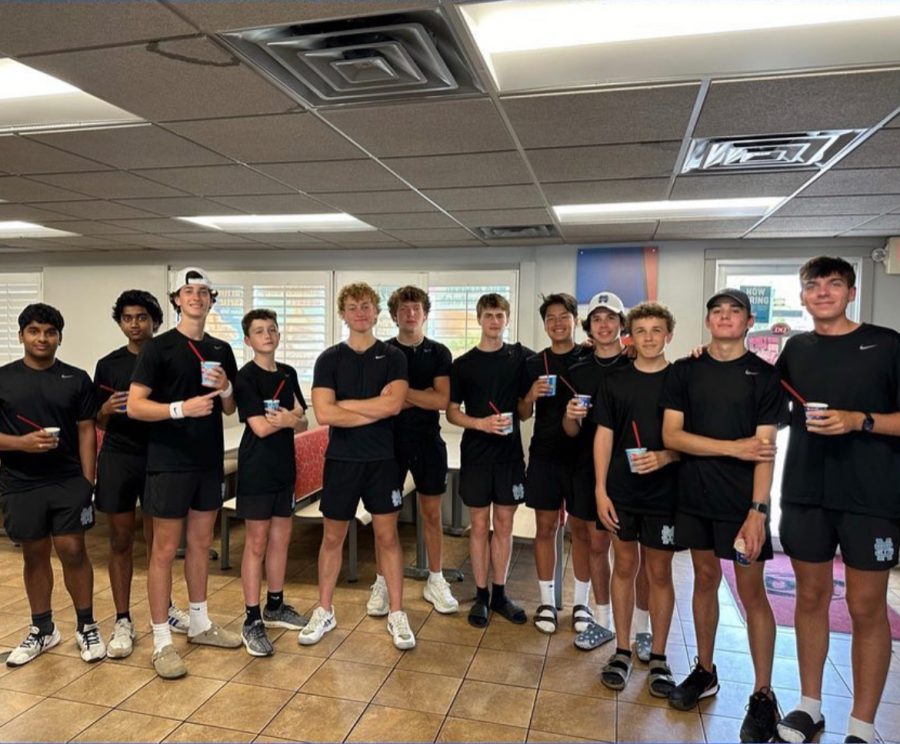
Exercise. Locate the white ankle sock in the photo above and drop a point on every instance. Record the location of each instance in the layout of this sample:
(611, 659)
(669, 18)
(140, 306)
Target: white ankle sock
(640, 621)
(601, 615)
(162, 635)
(547, 593)
(582, 592)
(433, 576)
(812, 707)
(861, 729)
(379, 579)
(199, 618)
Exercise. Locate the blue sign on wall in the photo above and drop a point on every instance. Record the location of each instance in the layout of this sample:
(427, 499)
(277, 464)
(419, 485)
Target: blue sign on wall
(760, 302)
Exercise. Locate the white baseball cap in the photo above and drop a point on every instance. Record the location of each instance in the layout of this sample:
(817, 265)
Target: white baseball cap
(193, 275)
(606, 300)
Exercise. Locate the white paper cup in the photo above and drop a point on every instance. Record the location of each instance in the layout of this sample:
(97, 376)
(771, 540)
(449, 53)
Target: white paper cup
(815, 411)
(740, 552)
(509, 427)
(632, 453)
(54, 430)
(271, 405)
(206, 369)
(585, 401)
(551, 380)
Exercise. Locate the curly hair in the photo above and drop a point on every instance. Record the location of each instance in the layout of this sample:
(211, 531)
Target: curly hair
(358, 291)
(408, 293)
(258, 314)
(138, 298)
(650, 310)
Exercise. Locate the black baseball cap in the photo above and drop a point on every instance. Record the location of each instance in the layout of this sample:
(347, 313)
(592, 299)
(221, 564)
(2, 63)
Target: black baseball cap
(735, 295)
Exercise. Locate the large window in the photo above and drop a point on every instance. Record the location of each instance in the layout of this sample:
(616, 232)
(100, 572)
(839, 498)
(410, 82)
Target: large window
(16, 291)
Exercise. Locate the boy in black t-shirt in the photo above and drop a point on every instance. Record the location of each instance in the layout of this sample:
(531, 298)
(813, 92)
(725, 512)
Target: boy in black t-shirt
(271, 404)
(171, 386)
(48, 450)
(359, 387)
(722, 409)
(122, 464)
(487, 380)
(841, 487)
(637, 489)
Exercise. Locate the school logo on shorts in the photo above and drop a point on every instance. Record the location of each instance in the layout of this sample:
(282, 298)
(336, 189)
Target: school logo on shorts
(87, 516)
(884, 548)
(396, 497)
(223, 490)
(518, 492)
(668, 534)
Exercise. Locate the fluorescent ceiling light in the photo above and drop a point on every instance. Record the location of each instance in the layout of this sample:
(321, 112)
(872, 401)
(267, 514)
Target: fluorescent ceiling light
(267, 223)
(17, 229)
(20, 81)
(687, 209)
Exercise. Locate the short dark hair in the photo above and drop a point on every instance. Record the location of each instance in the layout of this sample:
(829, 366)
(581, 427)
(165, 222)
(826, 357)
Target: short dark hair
(586, 323)
(558, 298)
(40, 312)
(408, 293)
(258, 314)
(650, 310)
(823, 266)
(493, 301)
(139, 298)
(192, 275)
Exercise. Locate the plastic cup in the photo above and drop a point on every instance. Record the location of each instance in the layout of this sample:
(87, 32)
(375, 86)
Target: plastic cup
(815, 411)
(54, 430)
(206, 369)
(509, 427)
(740, 552)
(585, 401)
(271, 405)
(632, 453)
(123, 407)
(551, 381)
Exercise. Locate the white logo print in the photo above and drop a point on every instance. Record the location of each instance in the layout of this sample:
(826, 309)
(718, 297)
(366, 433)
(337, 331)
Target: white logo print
(668, 534)
(217, 347)
(518, 492)
(862, 347)
(396, 497)
(750, 372)
(382, 356)
(87, 516)
(884, 548)
(67, 377)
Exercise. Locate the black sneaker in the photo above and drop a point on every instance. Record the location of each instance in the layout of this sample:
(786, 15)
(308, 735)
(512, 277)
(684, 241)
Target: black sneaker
(762, 716)
(850, 739)
(697, 685)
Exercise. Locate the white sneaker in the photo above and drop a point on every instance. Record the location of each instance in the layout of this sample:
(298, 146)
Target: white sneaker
(179, 620)
(378, 604)
(33, 646)
(438, 592)
(398, 627)
(319, 624)
(121, 642)
(90, 643)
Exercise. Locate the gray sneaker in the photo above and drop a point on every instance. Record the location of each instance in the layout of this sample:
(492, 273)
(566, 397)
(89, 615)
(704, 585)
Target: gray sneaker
(255, 639)
(284, 617)
(643, 645)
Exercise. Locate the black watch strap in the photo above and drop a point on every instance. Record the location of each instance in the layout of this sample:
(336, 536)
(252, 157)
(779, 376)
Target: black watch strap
(868, 423)
(760, 507)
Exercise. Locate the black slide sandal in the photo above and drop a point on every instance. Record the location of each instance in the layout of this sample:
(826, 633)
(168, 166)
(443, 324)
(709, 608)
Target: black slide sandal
(511, 611)
(478, 615)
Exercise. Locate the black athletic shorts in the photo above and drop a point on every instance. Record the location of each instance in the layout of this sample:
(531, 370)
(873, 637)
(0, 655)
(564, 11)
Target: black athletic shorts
(650, 530)
(59, 508)
(812, 534)
(500, 483)
(427, 461)
(170, 495)
(266, 505)
(703, 533)
(120, 481)
(344, 483)
(544, 486)
(583, 502)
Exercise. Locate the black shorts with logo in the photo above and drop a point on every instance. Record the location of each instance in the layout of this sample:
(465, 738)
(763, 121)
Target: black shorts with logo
(59, 508)
(655, 531)
(813, 534)
(121, 478)
(345, 483)
(170, 494)
(501, 483)
(264, 506)
(703, 533)
(427, 461)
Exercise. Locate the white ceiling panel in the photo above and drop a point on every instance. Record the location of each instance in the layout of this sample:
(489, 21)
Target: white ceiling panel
(856, 182)
(487, 197)
(840, 205)
(449, 171)
(108, 184)
(604, 192)
(342, 175)
(216, 180)
(23, 157)
(646, 160)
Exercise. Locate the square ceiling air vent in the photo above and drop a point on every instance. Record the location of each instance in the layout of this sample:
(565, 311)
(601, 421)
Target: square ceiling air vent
(768, 151)
(516, 232)
(367, 59)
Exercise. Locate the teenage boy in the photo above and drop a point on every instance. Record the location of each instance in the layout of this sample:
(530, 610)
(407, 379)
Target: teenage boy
(637, 491)
(417, 438)
(122, 463)
(487, 380)
(47, 456)
(548, 479)
(183, 384)
(722, 409)
(270, 402)
(841, 488)
(359, 386)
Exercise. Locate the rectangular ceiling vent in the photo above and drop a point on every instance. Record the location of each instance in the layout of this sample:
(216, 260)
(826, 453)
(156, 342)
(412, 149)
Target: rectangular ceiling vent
(516, 232)
(373, 58)
(768, 151)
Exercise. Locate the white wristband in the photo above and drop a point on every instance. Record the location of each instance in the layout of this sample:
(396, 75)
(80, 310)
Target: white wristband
(176, 409)
(226, 393)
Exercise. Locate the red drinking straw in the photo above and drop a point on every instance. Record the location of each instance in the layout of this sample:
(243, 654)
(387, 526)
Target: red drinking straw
(107, 388)
(29, 422)
(194, 349)
(546, 366)
(794, 393)
(278, 390)
(496, 410)
(567, 384)
(637, 437)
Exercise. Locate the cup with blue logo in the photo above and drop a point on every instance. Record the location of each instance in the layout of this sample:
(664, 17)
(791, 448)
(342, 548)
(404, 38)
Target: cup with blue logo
(740, 552)
(551, 385)
(206, 370)
(271, 405)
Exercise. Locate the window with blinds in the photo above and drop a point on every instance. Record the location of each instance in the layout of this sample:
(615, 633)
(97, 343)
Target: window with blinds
(16, 291)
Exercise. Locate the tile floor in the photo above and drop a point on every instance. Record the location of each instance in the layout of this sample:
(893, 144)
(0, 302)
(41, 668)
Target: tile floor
(507, 683)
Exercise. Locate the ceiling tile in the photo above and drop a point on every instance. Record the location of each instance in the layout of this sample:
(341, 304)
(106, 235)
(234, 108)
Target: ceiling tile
(30, 213)
(447, 171)
(158, 225)
(208, 237)
(342, 175)
(176, 79)
(516, 242)
(89, 227)
(863, 233)
(731, 186)
(443, 235)
(647, 160)
(273, 204)
(108, 184)
(615, 116)
(14, 189)
(604, 192)
(839, 205)
(372, 202)
(410, 221)
(504, 217)
(132, 147)
(363, 236)
(809, 224)
(882, 149)
(626, 232)
(270, 139)
(150, 241)
(681, 230)
(216, 180)
(798, 104)
(179, 206)
(487, 197)
(856, 182)
(429, 128)
(888, 224)
(99, 210)
(23, 156)
(287, 239)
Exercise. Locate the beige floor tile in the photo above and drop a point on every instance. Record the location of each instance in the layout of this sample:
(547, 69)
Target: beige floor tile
(314, 719)
(428, 693)
(574, 715)
(13, 703)
(435, 657)
(545, 736)
(172, 698)
(643, 723)
(263, 739)
(484, 701)
(216, 663)
(107, 683)
(51, 720)
(45, 675)
(347, 680)
(453, 629)
(562, 643)
(241, 707)
(731, 700)
(368, 648)
(460, 729)
(524, 639)
(284, 671)
(379, 723)
(578, 676)
(120, 725)
(506, 668)
(192, 732)
(720, 728)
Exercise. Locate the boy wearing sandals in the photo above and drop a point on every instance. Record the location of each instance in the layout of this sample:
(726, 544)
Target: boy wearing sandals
(487, 380)
(636, 491)
(548, 479)
(722, 409)
(269, 400)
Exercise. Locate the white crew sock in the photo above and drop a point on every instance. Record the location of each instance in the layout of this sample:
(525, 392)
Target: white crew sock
(812, 707)
(640, 621)
(162, 635)
(861, 729)
(200, 621)
(547, 593)
(582, 592)
(602, 615)
(379, 579)
(433, 576)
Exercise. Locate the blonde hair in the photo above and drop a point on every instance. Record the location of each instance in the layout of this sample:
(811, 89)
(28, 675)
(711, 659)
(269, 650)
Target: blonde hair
(358, 291)
(650, 310)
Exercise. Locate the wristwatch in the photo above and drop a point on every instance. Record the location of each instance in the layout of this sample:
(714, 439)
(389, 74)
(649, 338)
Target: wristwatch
(868, 423)
(760, 507)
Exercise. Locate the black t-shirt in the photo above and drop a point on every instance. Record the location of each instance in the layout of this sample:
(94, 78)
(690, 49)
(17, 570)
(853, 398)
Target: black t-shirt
(854, 472)
(479, 378)
(171, 370)
(61, 395)
(123, 435)
(266, 465)
(548, 440)
(360, 376)
(722, 400)
(629, 395)
(586, 377)
(423, 362)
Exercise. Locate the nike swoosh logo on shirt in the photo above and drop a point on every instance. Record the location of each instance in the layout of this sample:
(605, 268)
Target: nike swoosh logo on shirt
(750, 372)
(217, 347)
(866, 348)
(380, 357)
(67, 377)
